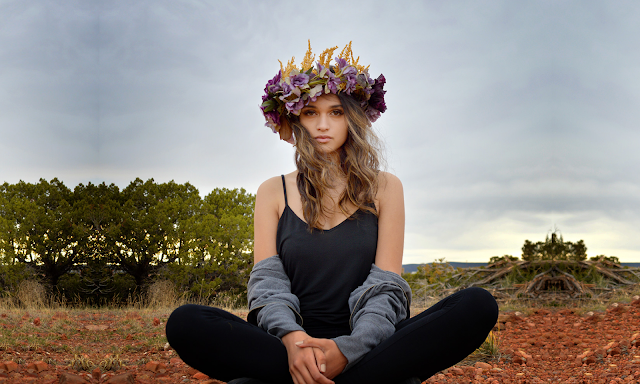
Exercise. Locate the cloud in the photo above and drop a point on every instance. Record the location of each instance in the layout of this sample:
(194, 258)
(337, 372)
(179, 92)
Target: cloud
(504, 119)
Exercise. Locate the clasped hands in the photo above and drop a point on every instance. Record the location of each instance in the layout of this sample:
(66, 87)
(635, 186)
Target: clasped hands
(311, 360)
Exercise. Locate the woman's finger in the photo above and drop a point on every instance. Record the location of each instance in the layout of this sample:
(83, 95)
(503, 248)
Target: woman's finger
(311, 342)
(305, 369)
(321, 360)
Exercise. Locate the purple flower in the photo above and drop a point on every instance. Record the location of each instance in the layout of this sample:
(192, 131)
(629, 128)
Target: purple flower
(288, 90)
(273, 85)
(333, 82)
(341, 62)
(377, 97)
(299, 80)
(351, 82)
(366, 83)
(273, 120)
(295, 106)
(372, 114)
(350, 70)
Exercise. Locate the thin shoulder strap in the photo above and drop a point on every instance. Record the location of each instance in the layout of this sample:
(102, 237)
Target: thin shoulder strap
(286, 203)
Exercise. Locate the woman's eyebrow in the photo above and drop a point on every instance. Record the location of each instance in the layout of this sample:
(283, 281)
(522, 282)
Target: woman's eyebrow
(314, 107)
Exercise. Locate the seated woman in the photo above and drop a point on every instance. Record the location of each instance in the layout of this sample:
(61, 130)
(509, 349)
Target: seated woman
(327, 302)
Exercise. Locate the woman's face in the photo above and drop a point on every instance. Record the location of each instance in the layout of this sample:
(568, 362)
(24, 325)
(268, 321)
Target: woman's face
(326, 122)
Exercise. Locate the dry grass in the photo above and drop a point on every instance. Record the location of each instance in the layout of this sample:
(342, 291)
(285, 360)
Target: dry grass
(162, 294)
(31, 294)
(136, 318)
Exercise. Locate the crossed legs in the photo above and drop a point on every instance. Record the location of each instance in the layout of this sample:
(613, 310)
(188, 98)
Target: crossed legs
(226, 347)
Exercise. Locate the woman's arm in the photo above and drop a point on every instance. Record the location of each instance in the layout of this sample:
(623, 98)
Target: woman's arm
(265, 218)
(390, 223)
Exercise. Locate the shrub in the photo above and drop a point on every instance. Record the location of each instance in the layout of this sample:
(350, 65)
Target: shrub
(162, 294)
(31, 294)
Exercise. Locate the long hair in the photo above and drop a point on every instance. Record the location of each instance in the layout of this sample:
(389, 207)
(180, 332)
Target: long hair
(360, 160)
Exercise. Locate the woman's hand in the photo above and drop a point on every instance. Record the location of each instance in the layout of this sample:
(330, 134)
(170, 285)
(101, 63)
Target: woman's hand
(305, 364)
(335, 360)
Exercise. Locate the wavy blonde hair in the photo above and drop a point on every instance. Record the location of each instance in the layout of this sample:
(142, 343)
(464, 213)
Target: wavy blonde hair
(360, 159)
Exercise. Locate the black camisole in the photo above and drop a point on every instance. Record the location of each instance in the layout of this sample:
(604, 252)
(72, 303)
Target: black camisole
(325, 266)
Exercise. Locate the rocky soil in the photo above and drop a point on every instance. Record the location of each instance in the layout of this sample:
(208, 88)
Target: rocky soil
(543, 346)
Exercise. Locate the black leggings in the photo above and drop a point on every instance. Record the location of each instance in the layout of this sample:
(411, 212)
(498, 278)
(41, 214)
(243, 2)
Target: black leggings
(225, 347)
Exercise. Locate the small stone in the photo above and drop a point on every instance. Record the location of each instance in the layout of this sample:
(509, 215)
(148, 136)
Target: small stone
(200, 376)
(30, 368)
(518, 360)
(167, 347)
(156, 321)
(70, 378)
(457, 371)
(161, 368)
(616, 308)
(482, 365)
(151, 366)
(123, 378)
(36, 321)
(10, 366)
(41, 366)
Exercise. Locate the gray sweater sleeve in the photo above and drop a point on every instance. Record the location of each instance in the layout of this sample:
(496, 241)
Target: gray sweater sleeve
(380, 303)
(272, 306)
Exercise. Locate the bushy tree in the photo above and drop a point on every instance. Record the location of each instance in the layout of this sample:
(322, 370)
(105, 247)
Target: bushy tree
(40, 231)
(93, 237)
(554, 248)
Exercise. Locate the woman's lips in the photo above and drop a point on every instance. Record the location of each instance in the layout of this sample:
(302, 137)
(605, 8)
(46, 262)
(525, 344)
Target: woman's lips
(323, 139)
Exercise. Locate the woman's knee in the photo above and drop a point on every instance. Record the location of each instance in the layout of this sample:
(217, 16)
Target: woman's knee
(180, 321)
(483, 304)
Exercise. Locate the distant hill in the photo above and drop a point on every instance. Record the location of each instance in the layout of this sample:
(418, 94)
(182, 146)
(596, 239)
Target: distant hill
(409, 268)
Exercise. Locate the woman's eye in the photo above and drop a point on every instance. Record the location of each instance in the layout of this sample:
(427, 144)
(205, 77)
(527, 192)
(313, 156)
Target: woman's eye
(308, 112)
(337, 112)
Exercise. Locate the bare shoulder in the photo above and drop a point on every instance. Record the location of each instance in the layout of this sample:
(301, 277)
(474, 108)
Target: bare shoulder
(389, 189)
(270, 187)
(388, 180)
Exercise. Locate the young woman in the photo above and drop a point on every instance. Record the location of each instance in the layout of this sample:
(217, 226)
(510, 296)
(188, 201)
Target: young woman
(327, 303)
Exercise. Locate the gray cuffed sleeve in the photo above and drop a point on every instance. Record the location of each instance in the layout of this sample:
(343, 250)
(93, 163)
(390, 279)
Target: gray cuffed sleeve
(376, 307)
(272, 306)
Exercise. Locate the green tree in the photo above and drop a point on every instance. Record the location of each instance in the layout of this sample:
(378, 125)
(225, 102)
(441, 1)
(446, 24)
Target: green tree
(224, 246)
(554, 248)
(153, 226)
(40, 228)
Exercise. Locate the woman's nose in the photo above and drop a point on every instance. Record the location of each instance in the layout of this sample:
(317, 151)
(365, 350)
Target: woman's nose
(323, 122)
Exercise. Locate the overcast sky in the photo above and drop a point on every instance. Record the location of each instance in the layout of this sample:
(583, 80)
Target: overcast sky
(505, 119)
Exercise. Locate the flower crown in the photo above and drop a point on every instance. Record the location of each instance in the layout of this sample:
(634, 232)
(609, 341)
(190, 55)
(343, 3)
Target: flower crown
(293, 88)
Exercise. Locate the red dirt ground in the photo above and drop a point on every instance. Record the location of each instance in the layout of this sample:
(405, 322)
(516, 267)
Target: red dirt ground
(545, 346)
